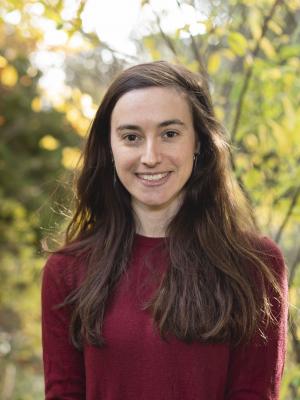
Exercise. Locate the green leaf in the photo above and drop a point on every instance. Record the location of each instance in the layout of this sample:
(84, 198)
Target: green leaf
(288, 51)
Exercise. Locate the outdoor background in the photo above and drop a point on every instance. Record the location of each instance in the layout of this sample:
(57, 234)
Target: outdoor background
(56, 60)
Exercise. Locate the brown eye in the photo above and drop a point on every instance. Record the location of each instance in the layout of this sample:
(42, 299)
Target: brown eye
(170, 134)
(131, 137)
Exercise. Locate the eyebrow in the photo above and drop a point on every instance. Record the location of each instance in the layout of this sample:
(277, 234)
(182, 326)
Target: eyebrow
(160, 125)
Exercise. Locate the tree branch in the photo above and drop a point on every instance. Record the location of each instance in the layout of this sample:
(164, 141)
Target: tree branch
(293, 268)
(288, 214)
(164, 35)
(250, 70)
(295, 340)
(92, 37)
(195, 49)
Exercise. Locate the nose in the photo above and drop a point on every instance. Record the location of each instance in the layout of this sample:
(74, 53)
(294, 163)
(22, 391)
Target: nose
(151, 155)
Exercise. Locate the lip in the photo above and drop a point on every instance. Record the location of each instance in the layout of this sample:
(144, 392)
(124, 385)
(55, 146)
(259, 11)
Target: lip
(152, 173)
(159, 182)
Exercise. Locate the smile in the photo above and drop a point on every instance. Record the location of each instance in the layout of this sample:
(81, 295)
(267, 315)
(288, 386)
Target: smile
(154, 179)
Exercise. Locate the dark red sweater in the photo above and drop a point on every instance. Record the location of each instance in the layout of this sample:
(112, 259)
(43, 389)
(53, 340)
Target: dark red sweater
(136, 363)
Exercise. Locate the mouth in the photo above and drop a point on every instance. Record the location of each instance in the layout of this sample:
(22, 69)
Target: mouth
(153, 179)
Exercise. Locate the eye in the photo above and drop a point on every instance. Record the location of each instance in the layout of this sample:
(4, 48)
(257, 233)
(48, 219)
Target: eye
(170, 134)
(131, 137)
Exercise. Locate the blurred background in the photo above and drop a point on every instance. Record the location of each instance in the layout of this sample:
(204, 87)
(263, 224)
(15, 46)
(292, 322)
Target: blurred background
(57, 58)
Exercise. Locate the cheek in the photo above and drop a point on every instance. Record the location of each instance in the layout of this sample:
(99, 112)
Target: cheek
(185, 161)
(123, 162)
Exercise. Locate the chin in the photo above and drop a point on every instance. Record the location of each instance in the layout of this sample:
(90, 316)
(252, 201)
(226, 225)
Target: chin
(157, 204)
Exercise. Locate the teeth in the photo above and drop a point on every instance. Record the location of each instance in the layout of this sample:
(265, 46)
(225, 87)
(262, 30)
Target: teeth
(154, 177)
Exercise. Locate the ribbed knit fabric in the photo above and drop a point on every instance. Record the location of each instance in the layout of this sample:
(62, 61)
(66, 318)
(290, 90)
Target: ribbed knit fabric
(136, 363)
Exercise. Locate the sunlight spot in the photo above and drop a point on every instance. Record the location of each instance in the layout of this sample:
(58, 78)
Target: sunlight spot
(13, 17)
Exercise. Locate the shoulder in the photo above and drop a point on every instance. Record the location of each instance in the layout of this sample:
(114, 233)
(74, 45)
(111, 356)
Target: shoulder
(269, 247)
(271, 254)
(64, 270)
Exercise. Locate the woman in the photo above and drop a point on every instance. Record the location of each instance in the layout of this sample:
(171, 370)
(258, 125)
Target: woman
(164, 288)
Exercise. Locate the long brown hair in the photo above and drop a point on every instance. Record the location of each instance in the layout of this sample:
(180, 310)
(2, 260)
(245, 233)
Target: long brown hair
(209, 292)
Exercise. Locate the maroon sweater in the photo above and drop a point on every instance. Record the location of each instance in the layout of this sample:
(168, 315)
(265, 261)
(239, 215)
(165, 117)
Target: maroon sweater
(136, 364)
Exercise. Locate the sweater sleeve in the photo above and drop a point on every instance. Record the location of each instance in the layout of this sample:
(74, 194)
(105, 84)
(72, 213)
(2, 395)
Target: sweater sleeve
(63, 363)
(255, 369)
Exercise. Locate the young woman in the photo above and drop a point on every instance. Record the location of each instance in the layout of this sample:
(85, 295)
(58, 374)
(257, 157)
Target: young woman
(164, 289)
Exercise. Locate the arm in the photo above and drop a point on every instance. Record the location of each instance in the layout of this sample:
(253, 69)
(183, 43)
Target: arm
(256, 369)
(63, 364)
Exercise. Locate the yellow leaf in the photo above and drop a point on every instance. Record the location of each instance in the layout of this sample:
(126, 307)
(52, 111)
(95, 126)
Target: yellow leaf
(73, 115)
(279, 134)
(251, 141)
(290, 112)
(3, 62)
(82, 126)
(237, 43)
(274, 73)
(293, 295)
(219, 112)
(254, 22)
(228, 54)
(36, 104)
(252, 178)
(71, 157)
(267, 48)
(76, 94)
(193, 66)
(149, 43)
(289, 80)
(79, 122)
(293, 5)
(248, 60)
(60, 105)
(275, 27)
(294, 62)
(214, 62)
(242, 161)
(48, 142)
(9, 76)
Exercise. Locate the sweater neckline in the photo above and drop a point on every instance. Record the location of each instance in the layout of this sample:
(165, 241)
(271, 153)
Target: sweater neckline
(148, 240)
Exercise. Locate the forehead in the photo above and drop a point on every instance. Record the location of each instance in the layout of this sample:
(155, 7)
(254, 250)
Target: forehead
(151, 104)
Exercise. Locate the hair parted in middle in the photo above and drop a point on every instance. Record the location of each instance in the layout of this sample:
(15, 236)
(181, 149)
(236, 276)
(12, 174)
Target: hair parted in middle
(209, 292)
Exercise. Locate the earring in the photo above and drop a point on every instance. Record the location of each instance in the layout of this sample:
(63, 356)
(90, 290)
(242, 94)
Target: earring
(195, 158)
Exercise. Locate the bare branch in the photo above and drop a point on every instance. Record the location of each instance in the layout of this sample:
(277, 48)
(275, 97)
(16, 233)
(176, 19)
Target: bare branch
(295, 340)
(288, 214)
(92, 37)
(197, 54)
(97, 42)
(250, 69)
(165, 37)
(293, 268)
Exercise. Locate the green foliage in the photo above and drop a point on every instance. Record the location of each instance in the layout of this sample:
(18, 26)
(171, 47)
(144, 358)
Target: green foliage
(29, 175)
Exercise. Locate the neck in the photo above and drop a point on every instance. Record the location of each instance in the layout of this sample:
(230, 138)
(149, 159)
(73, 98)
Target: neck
(153, 221)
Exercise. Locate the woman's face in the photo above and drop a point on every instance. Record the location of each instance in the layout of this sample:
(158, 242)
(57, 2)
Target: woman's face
(153, 142)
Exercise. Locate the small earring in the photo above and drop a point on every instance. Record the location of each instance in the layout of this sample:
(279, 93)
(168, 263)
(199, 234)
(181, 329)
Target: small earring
(195, 158)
